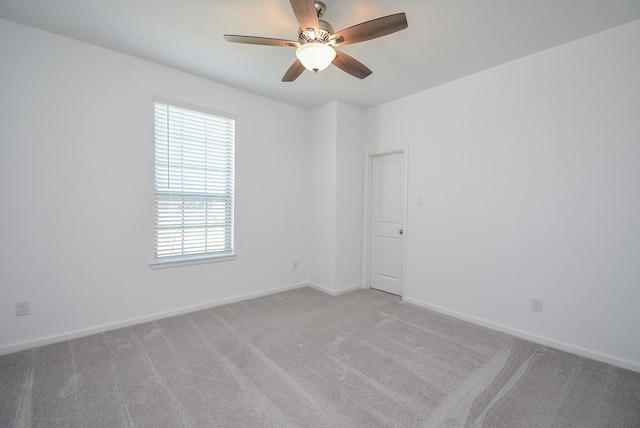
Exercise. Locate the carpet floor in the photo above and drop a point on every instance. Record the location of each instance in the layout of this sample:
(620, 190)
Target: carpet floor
(302, 358)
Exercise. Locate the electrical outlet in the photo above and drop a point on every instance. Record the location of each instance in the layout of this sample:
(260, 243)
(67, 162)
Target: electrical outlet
(536, 305)
(295, 266)
(22, 308)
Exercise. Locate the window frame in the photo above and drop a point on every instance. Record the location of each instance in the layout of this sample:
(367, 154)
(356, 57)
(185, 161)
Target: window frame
(229, 212)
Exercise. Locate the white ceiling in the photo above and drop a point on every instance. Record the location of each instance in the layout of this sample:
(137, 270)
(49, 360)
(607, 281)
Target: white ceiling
(446, 39)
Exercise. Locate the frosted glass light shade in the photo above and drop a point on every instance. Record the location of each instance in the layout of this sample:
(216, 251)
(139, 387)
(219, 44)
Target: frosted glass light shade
(315, 56)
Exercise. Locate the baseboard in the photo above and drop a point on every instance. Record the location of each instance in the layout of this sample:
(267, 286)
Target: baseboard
(605, 358)
(107, 327)
(334, 292)
(620, 362)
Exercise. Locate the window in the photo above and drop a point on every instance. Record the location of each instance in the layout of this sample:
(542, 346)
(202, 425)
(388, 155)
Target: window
(193, 184)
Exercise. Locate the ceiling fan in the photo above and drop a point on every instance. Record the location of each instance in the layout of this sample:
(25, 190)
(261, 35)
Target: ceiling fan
(317, 40)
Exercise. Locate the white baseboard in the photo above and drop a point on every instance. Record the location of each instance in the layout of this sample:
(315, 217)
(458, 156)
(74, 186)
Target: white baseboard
(107, 327)
(334, 292)
(619, 362)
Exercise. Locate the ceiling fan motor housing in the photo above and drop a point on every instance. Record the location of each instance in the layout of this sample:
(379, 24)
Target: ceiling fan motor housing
(326, 30)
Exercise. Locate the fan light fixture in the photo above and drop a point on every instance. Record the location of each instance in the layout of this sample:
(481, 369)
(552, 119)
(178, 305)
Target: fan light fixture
(315, 56)
(318, 44)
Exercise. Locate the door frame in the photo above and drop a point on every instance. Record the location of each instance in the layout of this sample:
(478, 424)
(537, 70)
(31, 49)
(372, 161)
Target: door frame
(366, 214)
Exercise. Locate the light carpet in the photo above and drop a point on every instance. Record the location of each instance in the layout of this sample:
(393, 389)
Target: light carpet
(302, 358)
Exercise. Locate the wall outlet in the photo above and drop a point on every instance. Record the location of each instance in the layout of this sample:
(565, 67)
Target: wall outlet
(22, 308)
(536, 305)
(294, 266)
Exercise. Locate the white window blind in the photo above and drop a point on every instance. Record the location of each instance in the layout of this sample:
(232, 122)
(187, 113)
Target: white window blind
(194, 163)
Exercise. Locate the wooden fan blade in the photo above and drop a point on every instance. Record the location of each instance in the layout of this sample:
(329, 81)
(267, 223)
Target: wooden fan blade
(351, 65)
(305, 11)
(371, 29)
(293, 72)
(253, 40)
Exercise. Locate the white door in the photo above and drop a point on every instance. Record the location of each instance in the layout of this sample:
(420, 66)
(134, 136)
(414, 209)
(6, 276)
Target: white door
(386, 222)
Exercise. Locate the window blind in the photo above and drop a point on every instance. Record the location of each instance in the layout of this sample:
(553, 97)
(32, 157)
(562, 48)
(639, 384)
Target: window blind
(194, 161)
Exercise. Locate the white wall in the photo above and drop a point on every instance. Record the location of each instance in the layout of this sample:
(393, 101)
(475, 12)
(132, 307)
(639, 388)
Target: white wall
(349, 196)
(76, 189)
(323, 201)
(530, 174)
(336, 194)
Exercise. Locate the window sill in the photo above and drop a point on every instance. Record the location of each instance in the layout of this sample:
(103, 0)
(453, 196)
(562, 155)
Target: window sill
(163, 264)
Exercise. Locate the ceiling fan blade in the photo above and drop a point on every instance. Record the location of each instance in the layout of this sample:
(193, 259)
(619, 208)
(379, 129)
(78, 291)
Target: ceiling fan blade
(253, 40)
(371, 29)
(293, 72)
(351, 65)
(305, 11)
